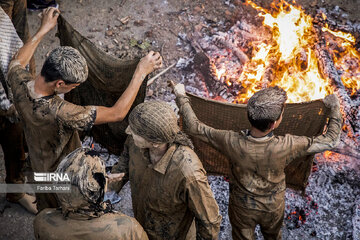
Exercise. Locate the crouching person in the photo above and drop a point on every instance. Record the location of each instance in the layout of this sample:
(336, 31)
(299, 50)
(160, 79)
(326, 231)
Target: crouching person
(258, 158)
(168, 183)
(83, 215)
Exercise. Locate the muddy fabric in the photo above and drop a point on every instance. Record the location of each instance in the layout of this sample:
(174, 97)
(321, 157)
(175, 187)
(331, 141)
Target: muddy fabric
(16, 10)
(10, 43)
(302, 119)
(168, 196)
(12, 143)
(160, 121)
(50, 224)
(257, 164)
(88, 184)
(83, 215)
(244, 221)
(108, 78)
(50, 123)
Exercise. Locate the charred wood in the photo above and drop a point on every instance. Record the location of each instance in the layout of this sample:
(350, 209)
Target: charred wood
(269, 73)
(336, 25)
(227, 43)
(345, 149)
(202, 64)
(328, 69)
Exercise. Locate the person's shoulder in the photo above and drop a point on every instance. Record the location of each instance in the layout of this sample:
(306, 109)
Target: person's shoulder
(289, 140)
(47, 213)
(188, 162)
(290, 137)
(123, 221)
(65, 107)
(18, 72)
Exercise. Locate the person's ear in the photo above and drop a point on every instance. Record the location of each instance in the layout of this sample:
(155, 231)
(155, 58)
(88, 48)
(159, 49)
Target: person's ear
(128, 130)
(59, 83)
(272, 125)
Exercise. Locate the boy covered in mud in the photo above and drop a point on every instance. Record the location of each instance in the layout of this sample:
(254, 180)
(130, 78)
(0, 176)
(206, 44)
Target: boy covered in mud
(51, 123)
(258, 158)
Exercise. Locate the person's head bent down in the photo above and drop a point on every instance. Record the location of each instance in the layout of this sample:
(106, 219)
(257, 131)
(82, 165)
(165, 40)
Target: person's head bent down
(65, 68)
(265, 108)
(88, 183)
(154, 123)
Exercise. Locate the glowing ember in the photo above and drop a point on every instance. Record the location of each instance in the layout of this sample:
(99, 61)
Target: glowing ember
(290, 56)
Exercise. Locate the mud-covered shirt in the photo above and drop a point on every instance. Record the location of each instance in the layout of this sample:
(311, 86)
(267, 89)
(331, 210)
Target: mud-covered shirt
(50, 224)
(257, 164)
(168, 195)
(50, 123)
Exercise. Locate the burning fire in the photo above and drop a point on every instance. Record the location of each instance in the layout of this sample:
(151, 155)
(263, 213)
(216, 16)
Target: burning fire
(289, 59)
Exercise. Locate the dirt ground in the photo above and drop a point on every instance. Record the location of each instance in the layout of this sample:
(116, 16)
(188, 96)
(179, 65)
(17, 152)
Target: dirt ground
(152, 25)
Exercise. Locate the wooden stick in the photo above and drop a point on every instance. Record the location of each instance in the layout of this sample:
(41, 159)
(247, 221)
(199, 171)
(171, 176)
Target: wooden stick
(151, 80)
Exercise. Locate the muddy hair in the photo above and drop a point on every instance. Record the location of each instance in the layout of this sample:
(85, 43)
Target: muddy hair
(65, 63)
(183, 139)
(156, 122)
(88, 183)
(265, 107)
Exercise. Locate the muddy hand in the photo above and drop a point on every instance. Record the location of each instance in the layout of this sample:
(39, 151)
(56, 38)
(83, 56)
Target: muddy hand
(150, 62)
(49, 18)
(179, 89)
(171, 84)
(115, 177)
(331, 101)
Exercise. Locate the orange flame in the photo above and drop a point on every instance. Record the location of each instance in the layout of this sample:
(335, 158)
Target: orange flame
(346, 58)
(292, 58)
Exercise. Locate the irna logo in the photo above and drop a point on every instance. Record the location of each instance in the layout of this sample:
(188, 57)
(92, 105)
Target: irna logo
(51, 177)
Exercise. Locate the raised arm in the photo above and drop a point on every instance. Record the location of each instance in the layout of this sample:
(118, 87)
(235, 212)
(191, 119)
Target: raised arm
(331, 138)
(220, 139)
(121, 108)
(48, 21)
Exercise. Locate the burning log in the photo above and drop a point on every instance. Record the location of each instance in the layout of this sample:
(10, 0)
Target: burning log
(222, 41)
(269, 73)
(202, 63)
(249, 36)
(347, 150)
(322, 19)
(351, 109)
(246, 31)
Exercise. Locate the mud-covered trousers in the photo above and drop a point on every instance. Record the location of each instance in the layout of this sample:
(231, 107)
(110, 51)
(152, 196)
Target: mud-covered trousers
(12, 143)
(243, 222)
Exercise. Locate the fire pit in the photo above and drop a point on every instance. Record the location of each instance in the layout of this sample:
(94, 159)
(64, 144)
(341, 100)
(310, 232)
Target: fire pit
(302, 54)
(310, 57)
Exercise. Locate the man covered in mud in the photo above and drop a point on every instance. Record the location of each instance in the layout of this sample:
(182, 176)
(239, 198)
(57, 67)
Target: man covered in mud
(168, 183)
(83, 213)
(258, 158)
(51, 123)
